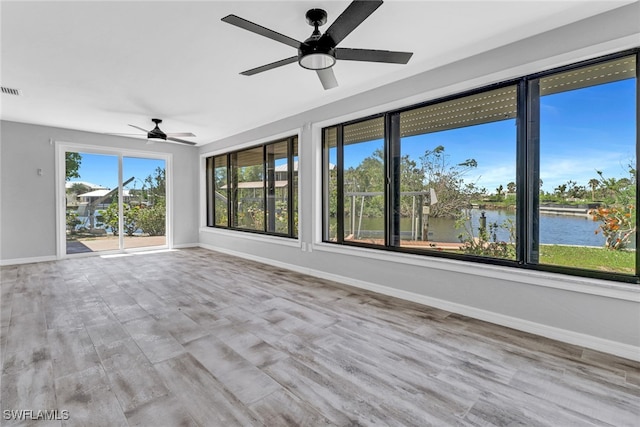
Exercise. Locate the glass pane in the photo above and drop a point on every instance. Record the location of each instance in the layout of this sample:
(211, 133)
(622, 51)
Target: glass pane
(220, 191)
(588, 167)
(144, 202)
(330, 184)
(458, 173)
(92, 203)
(277, 187)
(249, 189)
(364, 181)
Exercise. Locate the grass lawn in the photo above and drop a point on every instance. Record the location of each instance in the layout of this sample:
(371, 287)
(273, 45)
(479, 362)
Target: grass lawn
(589, 258)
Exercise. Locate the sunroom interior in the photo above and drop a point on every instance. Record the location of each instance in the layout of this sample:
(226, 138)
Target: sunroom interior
(77, 97)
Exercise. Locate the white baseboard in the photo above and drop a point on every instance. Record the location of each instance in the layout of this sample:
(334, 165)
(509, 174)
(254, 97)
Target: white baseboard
(571, 337)
(17, 261)
(186, 246)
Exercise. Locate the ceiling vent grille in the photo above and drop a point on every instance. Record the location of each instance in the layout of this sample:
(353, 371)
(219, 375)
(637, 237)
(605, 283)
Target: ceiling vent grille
(11, 91)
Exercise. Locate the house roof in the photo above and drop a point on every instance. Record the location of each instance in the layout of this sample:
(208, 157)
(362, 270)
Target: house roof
(70, 184)
(101, 193)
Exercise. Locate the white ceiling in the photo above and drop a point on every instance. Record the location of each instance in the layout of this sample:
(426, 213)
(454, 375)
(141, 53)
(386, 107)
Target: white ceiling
(98, 66)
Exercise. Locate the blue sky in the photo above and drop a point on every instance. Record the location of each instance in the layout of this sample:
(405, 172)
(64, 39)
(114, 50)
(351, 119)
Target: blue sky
(581, 131)
(103, 170)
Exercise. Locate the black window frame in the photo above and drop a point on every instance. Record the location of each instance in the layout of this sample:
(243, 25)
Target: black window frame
(232, 189)
(527, 176)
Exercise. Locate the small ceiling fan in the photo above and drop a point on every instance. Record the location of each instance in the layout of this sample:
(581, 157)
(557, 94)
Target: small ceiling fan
(320, 52)
(156, 133)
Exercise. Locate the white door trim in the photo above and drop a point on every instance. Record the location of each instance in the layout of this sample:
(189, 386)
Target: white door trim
(61, 147)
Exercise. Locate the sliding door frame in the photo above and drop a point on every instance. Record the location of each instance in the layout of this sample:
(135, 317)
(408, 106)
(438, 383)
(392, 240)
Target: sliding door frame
(62, 147)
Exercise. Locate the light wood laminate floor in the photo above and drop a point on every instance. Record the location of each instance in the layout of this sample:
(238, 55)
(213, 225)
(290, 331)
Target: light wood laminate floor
(198, 338)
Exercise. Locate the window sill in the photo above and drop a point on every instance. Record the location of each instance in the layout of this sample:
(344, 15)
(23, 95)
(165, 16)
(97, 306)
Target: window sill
(605, 288)
(266, 238)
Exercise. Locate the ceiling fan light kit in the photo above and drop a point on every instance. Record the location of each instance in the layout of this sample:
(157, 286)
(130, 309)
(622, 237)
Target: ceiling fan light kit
(315, 53)
(320, 52)
(317, 61)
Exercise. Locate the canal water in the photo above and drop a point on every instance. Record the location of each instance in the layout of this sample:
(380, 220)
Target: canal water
(554, 229)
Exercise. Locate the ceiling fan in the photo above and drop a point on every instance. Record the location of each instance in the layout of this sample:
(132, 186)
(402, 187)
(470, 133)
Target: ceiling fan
(320, 52)
(156, 133)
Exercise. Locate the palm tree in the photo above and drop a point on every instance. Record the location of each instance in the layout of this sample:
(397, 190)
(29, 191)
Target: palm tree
(593, 183)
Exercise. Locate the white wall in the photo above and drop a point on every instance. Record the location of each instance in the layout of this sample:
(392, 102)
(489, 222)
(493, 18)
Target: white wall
(27, 200)
(597, 314)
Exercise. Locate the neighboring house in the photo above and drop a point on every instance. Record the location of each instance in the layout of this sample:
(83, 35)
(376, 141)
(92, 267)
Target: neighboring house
(96, 195)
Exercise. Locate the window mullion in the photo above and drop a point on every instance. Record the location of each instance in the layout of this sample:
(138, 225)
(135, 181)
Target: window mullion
(522, 183)
(531, 189)
(290, 196)
(392, 187)
(340, 184)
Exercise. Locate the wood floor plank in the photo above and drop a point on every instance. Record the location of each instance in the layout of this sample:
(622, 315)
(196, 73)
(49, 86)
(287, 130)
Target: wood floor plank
(155, 342)
(247, 382)
(28, 382)
(269, 411)
(88, 398)
(202, 395)
(198, 338)
(71, 351)
(164, 411)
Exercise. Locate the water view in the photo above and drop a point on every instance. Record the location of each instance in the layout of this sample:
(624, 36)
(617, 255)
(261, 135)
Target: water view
(554, 229)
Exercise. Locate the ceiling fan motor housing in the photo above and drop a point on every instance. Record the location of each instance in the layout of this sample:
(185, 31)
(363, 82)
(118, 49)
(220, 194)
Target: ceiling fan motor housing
(317, 52)
(156, 133)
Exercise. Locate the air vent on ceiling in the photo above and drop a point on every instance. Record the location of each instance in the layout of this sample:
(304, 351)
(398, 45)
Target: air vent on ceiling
(11, 91)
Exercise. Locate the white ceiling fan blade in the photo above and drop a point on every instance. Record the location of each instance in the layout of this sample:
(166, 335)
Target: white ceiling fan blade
(138, 127)
(181, 141)
(180, 134)
(327, 78)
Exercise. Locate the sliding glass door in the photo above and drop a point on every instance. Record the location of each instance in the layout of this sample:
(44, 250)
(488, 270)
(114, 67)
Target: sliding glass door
(144, 202)
(113, 202)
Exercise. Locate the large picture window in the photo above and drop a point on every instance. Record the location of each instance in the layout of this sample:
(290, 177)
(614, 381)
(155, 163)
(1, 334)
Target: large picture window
(255, 189)
(458, 174)
(536, 173)
(587, 194)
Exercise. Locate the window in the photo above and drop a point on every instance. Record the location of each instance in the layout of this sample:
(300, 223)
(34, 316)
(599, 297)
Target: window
(536, 173)
(248, 190)
(255, 189)
(587, 193)
(458, 173)
(217, 194)
(363, 182)
(330, 184)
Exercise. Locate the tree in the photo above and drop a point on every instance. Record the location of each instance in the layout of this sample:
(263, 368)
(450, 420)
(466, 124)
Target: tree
(575, 191)
(617, 216)
(367, 177)
(411, 180)
(72, 165)
(511, 187)
(593, 184)
(561, 190)
(619, 191)
(79, 188)
(448, 183)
